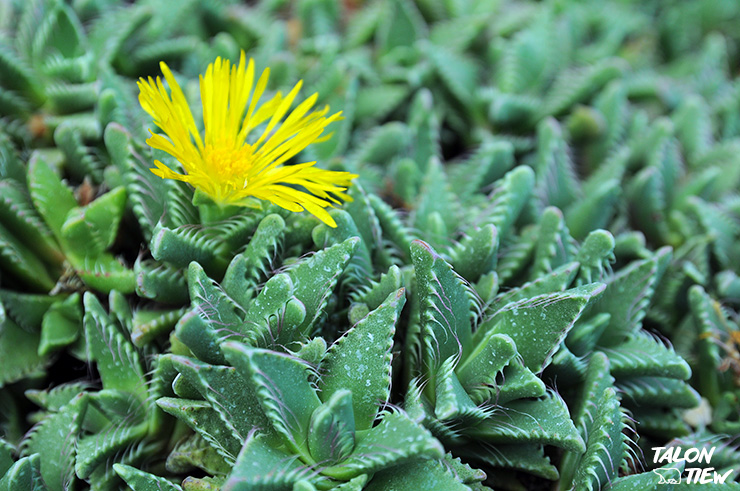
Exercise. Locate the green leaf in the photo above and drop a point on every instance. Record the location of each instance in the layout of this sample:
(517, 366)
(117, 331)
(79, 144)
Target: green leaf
(247, 269)
(263, 466)
(200, 337)
(554, 244)
(282, 386)
(507, 200)
(627, 296)
(360, 266)
(117, 360)
(645, 355)
(525, 457)
(594, 211)
(451, 399)
(421, 474)
(480, 369)
(538, 325)
(52, 198)
(182, 245)
(230, 396)
(314, 278)
(518, 382)
(361, 361)
(475, 254)
(584, 409)
(53, 400)
(19, 352)
(594, 254)
(331, 436)
(27, 309)
(392, 226)
(161, 282)
(394, 441)
(148, 324)
(55, 439)
(61, 324)
(446, 306)
(545, 420)
(401, 25)
(375, 102)
(458, 72)
(606, 445)
(91, 229)
(275, 315)
(17, 259)
(104, 273)
(195, 451)
(556, 182)
(94, 450)
(143, 481)
(488, 163)
(377, 291)
(18, 215)
(212, 304)
(24, 475)
(203, 419)
(6, 456)
(657, 391)
(556, 281)
(650, 480)
(578, 84)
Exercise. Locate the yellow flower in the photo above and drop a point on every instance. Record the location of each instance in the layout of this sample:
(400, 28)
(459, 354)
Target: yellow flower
(226, 164)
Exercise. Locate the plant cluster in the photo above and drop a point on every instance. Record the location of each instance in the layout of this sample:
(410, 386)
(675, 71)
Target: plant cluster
(533, 281)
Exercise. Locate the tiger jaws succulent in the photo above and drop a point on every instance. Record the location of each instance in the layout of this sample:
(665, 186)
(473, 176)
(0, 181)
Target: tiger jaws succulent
(506, 258)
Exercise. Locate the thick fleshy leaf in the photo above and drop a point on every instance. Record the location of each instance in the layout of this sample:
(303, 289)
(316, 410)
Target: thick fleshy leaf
(395, 440)
(263, 466)
(538, 325)
(544, 420)
(331, 436)
(452, 401)
(20, 217)
(482, 366)
(282, 387)
(314, 278)
(446, 306)
(104, 273)
(247, 269)
(91, 229)
(19, 352)
(646, 355)
(52, 198)
(220, 312)
(55, 440)
(275, 316)
(525, 457)
(230, 395)
(117, 360)
(605, 447)
(21, 263)
(144, 481)
(61, 324)
(627, 296)
(360, 361)
(24, 475)
(203, 419)
(423, 474)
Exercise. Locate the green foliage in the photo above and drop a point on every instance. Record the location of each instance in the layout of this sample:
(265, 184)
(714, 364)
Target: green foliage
(535, 283)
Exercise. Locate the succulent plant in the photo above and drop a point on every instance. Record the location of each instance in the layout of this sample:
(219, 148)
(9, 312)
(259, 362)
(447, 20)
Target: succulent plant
(532, 283)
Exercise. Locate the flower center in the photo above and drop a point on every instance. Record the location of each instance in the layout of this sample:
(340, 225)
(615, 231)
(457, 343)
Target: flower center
(228, 166)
